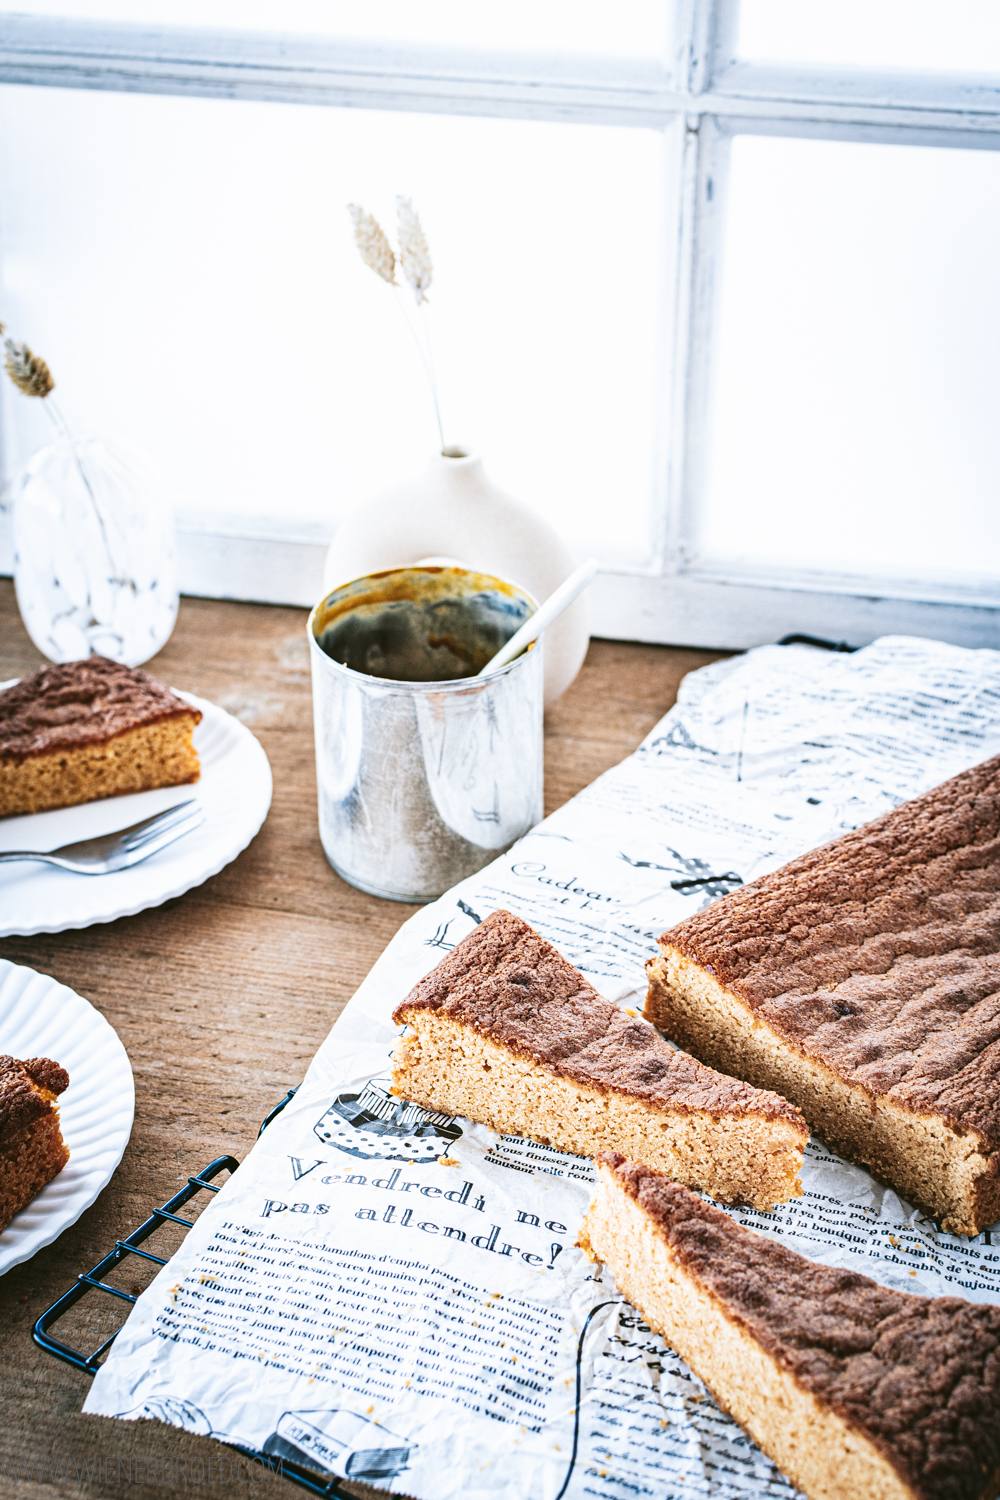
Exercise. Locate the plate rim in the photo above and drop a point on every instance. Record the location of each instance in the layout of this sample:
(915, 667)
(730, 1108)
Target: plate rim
(74, 1208)
(233, 850)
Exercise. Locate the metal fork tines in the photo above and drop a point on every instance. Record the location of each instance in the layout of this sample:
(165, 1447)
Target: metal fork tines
(118, 851)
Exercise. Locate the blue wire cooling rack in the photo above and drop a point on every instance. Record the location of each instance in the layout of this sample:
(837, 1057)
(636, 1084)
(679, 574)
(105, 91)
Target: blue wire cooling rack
(93, 1280)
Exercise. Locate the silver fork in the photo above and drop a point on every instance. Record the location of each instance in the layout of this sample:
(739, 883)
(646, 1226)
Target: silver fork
(117, 851)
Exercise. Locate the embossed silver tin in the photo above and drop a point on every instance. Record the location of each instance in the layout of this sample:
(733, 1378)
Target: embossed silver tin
(425, 772)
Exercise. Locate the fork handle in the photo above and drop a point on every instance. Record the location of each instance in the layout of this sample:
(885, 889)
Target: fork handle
(12, 854)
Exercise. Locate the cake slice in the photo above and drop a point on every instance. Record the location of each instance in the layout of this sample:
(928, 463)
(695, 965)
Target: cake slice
(32, 1150)
(89, 729)
(862, 981)
(506, 1032)
(853, 1390)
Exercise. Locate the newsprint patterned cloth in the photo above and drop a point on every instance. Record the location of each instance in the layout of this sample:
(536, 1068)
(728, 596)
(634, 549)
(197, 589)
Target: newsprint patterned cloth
(394, 1295)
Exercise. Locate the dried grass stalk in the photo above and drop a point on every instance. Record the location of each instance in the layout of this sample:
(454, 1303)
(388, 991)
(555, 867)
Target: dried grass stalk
(414, 255)
(28, 371)
(373, 243)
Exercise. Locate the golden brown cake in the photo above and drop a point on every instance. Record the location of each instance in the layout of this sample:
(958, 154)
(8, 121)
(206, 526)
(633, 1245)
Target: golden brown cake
(506, 1032)
(90, 729)
(856, 1392)
(863, 981)
(32, 1150)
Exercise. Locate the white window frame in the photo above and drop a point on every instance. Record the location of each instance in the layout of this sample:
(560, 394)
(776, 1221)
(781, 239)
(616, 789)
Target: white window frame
(700, 97)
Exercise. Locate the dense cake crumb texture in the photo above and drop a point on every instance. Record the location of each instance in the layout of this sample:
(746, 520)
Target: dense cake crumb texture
(21, 1099)
(32, 1150)
(920, 1377)
(880, 953)
(80, 703)
(510, 985)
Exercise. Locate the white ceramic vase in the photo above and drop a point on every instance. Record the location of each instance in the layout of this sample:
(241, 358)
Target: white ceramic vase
(455, 513)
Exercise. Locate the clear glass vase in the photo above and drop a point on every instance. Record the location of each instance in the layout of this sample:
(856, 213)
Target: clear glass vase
(94, 552)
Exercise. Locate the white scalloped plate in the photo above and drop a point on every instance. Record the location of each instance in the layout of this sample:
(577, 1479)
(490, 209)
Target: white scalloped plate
(41, 1018)
(234, 791)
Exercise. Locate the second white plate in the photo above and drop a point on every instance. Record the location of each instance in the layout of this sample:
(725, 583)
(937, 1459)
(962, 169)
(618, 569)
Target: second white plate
(234, 791)
(41, 1018)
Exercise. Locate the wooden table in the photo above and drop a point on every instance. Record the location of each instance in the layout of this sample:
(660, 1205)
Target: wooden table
(222, 996)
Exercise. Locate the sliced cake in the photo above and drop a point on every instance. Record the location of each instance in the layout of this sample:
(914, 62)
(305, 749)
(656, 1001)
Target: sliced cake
(32, 1150)
(506, 1032)
(89, 729)
(862, 981)
(853, 1390)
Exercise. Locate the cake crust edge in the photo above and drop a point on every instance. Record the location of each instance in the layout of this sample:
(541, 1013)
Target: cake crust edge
(460, 1068)
(883, 1473)
(432, 994)
(950, 1174)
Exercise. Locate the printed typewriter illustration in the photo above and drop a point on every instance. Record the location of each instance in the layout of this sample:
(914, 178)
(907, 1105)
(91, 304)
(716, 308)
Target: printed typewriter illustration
(375, 1126)
(339, 1442)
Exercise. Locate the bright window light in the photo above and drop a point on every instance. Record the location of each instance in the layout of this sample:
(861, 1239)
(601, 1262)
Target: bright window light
(960, 36)
(858, 366)
(629, 28)
(187, 268)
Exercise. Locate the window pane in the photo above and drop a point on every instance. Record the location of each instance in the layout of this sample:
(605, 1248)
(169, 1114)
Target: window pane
(188, 270)
(858, 372)
(629, 28)
(963, 35)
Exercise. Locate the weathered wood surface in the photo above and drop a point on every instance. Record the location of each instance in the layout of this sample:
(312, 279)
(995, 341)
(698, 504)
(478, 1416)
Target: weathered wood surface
(222, 996)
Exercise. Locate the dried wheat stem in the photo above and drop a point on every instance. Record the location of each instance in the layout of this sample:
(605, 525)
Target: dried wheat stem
(432, 374)
(373, 244)
(32, 376)
(414, 256)
(62, 427)
(418, 268)
(425, 361)
(28, 371)
(59, 422)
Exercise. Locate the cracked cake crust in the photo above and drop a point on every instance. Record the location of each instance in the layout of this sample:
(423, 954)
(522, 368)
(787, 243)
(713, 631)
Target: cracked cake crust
(506, 1031)
(870, 965)
(89, 729)
(82, 703)
(26, 1092)
(32, 1150)
(855, 1389)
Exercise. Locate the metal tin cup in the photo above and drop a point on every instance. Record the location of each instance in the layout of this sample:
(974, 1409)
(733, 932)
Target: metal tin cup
(425, 771)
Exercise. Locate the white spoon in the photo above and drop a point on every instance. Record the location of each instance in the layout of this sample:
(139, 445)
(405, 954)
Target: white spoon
(533, 626)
